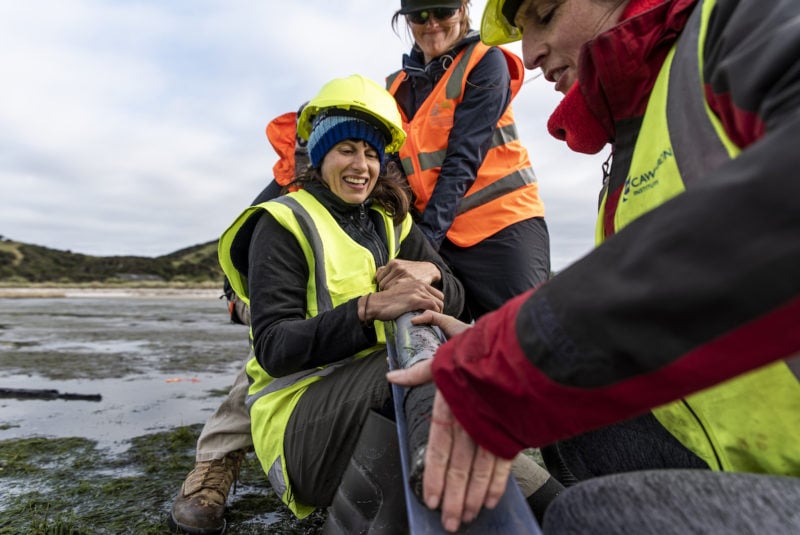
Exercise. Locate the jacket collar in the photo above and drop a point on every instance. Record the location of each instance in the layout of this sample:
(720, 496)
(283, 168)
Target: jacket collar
(619, 67)
(341, 210)
(414, 63)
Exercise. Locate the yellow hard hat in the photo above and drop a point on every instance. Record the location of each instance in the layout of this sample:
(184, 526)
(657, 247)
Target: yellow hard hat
(497, 22)
(357, 92)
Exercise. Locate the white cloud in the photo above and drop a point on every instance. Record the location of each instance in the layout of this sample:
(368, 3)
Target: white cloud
(137, 127)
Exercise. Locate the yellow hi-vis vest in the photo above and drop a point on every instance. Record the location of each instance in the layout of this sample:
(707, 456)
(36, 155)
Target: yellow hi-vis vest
(505, 190)
(339, 270)
(750, 423)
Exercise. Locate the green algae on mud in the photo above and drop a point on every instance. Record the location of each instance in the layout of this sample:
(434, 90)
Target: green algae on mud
(69, 486)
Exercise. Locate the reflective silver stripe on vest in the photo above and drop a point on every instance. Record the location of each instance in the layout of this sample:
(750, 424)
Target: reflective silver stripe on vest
(697, 146)
(398, 234)
(794, 365)
(288, 380)
(308, 227)
(408, 166)
(453, 89)
(391, 78)
(505, 134)
(276, 478)
(495, 190)
(501, 136)
(430, 160)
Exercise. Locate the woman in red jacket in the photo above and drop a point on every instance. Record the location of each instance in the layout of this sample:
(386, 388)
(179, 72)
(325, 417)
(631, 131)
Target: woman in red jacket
(694, 280)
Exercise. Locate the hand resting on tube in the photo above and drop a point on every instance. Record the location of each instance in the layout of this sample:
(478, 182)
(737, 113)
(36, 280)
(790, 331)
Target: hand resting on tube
(460, 476)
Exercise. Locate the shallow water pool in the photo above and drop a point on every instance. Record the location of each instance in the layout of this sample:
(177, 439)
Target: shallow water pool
(156, 364)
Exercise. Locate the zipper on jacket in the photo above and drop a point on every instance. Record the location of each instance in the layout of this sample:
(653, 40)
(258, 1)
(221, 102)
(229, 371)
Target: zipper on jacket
(371, 239)
(606, 178)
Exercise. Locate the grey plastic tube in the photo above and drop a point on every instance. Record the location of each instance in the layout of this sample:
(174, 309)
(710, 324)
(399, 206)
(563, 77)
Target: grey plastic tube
(413, 344)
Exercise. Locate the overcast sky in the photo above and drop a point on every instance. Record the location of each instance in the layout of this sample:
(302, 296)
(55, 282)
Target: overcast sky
(136, 127)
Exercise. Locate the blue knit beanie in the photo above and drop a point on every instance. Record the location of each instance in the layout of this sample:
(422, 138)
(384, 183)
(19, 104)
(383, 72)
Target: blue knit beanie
(327, 130)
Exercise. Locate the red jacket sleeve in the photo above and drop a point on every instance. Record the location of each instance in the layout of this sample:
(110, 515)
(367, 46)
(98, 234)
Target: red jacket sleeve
(506, 403)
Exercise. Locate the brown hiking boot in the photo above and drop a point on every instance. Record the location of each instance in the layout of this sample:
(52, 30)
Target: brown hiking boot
(199, 508)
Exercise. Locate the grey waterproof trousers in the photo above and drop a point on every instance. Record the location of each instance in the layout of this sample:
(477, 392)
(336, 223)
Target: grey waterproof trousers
(677, 502)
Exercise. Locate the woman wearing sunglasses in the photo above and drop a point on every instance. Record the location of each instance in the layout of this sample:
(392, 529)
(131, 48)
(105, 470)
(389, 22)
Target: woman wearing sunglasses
(472, 180)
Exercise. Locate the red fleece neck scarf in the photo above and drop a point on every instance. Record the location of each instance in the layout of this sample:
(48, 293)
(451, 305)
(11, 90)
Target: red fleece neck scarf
(572, 120)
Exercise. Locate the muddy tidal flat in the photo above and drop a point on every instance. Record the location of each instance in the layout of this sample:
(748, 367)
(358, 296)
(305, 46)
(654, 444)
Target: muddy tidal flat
(135, 374)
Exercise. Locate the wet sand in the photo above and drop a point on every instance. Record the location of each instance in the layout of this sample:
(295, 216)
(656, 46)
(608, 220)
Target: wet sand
(108, 292)
(161, 360)
(158, 358)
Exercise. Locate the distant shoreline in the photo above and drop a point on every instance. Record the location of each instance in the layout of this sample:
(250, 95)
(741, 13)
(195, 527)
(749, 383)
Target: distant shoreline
(53, 292)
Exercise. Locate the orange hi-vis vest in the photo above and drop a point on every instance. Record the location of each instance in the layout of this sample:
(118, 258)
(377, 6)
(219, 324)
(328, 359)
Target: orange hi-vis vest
(505, 190)
(282, 133)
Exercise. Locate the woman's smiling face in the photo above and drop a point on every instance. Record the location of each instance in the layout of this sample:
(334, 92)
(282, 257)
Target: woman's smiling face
(435, 37)
(350, 169)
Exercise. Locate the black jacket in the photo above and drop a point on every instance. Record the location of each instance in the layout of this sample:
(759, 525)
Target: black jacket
(284, 340)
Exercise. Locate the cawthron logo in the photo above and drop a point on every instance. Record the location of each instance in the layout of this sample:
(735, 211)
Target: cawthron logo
(636, 185)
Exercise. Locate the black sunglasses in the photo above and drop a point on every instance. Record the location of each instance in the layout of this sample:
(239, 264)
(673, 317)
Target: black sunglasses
(439, 13)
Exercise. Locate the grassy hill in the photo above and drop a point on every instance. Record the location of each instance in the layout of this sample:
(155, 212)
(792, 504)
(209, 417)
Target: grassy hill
(22, 263)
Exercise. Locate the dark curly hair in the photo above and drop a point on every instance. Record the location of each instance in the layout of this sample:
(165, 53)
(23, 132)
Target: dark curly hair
(391, 191)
